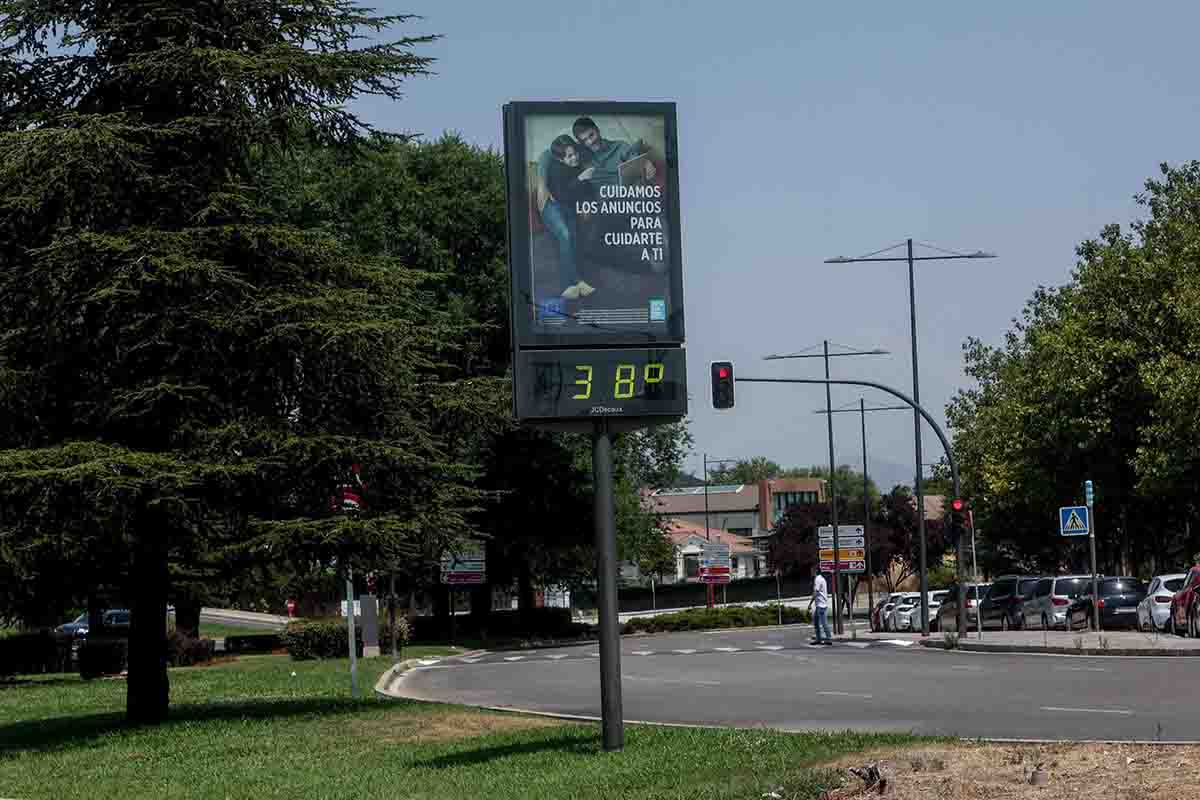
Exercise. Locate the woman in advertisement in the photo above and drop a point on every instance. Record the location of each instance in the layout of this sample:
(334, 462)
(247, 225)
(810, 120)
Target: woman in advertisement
(567, 181)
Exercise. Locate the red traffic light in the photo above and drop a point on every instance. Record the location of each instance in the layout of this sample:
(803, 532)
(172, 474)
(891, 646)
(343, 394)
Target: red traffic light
(722, 385)
(957, 504)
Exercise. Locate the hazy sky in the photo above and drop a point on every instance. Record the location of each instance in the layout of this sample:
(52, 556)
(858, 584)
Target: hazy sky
(809, 130)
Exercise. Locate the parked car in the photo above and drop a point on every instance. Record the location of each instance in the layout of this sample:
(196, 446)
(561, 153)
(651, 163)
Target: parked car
(900, 618)
(1185, 606)
(114, 623)
(910, 619)
(880, 615)
(1002, 606)
(946, 618)
(1118, 602)
(1154, 612)
(1051, 598)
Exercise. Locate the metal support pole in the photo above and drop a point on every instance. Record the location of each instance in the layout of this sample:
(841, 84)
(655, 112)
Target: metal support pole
(350, 629)
(708, 589)
(1095, 593)
(862, 410)
(837, 552)
(392, 613)
(606, 552)
(924, 568)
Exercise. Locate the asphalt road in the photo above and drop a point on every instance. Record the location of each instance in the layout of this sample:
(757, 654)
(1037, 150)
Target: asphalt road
(775, 678)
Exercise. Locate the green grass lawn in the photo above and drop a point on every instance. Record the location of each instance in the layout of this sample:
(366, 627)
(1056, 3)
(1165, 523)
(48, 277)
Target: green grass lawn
(270, 727)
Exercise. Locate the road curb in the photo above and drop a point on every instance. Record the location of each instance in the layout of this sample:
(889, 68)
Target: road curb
(1125, 652)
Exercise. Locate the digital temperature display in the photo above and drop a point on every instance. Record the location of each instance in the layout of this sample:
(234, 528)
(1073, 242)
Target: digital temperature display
(556, 384)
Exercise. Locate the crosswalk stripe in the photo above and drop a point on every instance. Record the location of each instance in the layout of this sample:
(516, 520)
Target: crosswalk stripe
(557, 656)
(684, 652)
(643, 652)
(729, 649)
(770, 647)
(513, 658)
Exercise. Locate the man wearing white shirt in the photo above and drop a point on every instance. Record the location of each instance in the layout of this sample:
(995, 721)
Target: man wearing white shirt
(820, 598)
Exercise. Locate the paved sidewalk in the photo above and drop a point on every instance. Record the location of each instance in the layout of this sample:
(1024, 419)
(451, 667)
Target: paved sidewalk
(1111, 643)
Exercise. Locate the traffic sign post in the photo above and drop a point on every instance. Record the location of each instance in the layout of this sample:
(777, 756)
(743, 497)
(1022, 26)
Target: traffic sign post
(715, 563)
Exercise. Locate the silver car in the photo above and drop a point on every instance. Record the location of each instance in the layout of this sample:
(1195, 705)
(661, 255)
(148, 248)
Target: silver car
(1154, 613)
(900, 619)
(908, 617)
(1046, 607)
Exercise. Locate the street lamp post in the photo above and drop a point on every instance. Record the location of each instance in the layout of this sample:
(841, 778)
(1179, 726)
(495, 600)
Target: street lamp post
(837, 563)
(946, 255)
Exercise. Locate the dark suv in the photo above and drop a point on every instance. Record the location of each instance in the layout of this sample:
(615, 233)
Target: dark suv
(1002, 608)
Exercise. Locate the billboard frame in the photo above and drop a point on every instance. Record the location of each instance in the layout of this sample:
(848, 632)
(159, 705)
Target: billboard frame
(524, 335)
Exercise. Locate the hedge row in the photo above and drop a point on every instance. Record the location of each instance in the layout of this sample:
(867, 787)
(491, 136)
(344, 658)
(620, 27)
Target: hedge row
(533, 623)
(34, 653)
(320, 639)
(710, 618)
(253, 643)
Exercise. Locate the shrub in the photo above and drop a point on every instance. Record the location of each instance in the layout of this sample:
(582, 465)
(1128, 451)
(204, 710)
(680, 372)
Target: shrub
(400, 633)
(102, 656)
(253, 643)
(320, 639)
(710, 618)
(184, 650)
(34, 653)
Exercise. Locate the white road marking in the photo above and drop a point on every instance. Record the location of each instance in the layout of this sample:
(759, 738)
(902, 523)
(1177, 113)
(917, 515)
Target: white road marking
(594, 655)
(427, 662)
(470, 660)
(900, 642)
(1088, 710)
(684, 652)
(859, 645)
(513, 658)
(557, 656)
(847, 694)
(643, 652)
(966, 668)
(654, 679)
(1080, 669)
(760, 641)
(728, 649)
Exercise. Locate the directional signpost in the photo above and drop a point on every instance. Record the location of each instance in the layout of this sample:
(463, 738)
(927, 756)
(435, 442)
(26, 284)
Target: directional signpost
(715, 563)
(466, 568)
(845, 553)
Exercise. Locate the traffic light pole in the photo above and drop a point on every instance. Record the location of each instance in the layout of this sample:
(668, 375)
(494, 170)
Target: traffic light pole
(917, 408)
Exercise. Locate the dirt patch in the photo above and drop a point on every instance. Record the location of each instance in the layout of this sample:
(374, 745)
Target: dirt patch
(441, 726)
(984, 772)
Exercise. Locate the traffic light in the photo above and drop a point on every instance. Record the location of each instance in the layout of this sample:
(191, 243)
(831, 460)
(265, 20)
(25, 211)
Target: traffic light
(722, 384)
(958, 518)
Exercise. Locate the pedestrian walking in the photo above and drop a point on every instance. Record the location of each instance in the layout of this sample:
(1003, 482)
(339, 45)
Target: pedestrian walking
(820, 616)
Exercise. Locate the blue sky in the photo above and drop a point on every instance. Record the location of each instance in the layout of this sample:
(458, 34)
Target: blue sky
(812, 130)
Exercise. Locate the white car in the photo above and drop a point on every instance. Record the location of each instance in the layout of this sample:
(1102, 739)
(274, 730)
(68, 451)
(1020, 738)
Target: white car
(1154, 613)
(900, 619)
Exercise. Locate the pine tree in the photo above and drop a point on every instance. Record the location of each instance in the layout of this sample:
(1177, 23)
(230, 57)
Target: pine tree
(182, 376)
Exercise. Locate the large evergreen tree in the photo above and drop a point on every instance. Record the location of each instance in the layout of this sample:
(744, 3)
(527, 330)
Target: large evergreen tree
(180, 373)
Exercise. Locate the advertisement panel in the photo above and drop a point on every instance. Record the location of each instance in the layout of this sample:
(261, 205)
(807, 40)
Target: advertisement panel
(593, 219)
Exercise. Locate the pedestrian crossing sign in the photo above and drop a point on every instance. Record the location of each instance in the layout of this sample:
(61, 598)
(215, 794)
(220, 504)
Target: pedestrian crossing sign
(1074, 521)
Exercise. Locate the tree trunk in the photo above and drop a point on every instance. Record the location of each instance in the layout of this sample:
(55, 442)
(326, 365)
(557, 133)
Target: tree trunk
(481, 600)
(147, 686)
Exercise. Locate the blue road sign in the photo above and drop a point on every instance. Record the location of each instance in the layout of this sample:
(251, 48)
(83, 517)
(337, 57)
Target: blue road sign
(1074, 521)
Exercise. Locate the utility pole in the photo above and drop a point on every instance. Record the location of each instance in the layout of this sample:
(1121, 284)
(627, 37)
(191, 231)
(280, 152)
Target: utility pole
(833, 511)
(946, 255)
(709, 594)
(862, 411)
